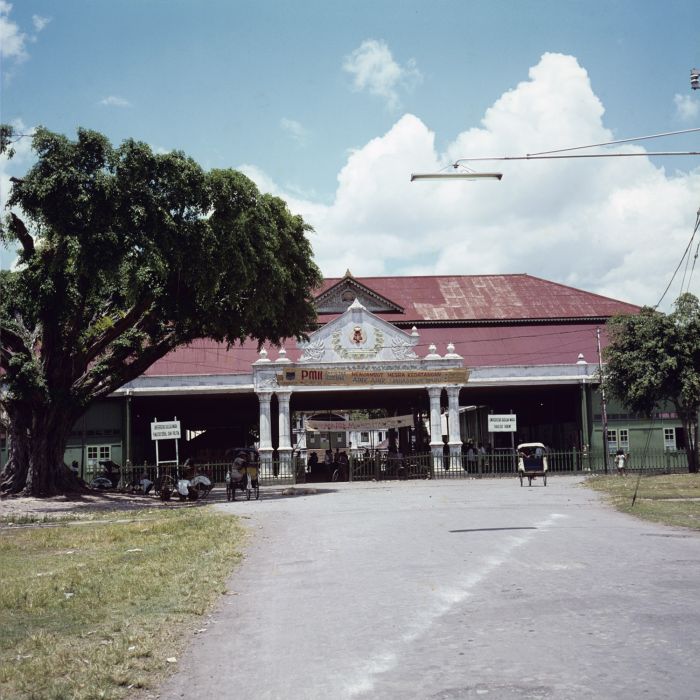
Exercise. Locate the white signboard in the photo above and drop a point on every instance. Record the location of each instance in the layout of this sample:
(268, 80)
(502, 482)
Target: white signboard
(505, 423)
(165, 430)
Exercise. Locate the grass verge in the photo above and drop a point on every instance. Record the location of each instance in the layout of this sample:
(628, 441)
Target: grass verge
(95, 612)
(671, 499)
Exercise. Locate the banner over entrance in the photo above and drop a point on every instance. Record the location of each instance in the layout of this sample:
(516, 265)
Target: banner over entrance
(341, 377)
(365, 424)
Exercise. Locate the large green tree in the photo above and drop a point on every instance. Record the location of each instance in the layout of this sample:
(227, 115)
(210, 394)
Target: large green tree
(654, 358)
(124, 255)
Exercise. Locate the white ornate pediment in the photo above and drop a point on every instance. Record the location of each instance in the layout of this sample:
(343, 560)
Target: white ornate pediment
(358, 336)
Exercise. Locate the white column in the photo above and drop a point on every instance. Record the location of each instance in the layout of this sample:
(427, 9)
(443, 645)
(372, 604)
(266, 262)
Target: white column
(285, 442)
(454, 439)
(436, 444)
(265, 448)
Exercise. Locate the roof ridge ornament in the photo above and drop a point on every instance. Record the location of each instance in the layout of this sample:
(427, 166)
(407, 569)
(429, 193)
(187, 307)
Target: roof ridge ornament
(283, 355)
(432, 353)
(263, 357)
(451, 354)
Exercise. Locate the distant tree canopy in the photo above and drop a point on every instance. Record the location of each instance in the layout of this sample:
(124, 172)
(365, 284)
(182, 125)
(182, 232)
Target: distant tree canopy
(124, 255)
(655, 358)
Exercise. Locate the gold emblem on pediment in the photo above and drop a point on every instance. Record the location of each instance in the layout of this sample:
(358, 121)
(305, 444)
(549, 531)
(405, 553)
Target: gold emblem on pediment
(357, 337)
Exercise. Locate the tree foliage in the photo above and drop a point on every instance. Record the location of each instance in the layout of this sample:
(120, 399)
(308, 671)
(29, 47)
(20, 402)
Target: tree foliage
(654, 358)
(126, 254)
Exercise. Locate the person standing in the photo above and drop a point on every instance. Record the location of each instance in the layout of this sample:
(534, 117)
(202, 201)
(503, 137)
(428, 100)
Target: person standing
(621, 462)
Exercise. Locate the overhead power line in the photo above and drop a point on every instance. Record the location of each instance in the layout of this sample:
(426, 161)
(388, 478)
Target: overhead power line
(680, 262)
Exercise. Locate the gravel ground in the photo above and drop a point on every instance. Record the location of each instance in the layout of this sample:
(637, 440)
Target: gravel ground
(91, 502)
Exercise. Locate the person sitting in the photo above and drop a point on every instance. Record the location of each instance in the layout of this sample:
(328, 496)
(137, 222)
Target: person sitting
(239, 465)
(145, 483)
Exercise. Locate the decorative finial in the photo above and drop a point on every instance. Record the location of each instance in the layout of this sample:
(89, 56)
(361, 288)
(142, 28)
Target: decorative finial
(451, 354)
(414, 332)
(432, 353)
(348, 273)
(581, 359)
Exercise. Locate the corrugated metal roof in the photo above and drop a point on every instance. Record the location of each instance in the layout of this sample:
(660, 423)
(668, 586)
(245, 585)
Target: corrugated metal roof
(436, 301)
(457, 298)
(480, 346)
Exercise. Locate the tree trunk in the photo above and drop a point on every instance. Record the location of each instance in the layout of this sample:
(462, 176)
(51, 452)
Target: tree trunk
(690, 428)
(37, 443)
(14, 474)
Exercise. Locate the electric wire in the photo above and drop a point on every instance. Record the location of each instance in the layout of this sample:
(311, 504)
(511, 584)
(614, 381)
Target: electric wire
(687, 260)
(613, 143)
(685, 270)
(678, 267)
(692, 269)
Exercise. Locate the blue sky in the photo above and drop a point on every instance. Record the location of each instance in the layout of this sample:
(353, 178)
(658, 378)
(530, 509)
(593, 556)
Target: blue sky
(332, 105)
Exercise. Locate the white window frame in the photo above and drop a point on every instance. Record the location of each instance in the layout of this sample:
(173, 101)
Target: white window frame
(623, 439)
(612, 440)
(670, 444)
(94, 454)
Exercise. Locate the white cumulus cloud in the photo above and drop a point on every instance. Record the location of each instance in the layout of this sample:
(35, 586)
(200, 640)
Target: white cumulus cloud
(374, 69)
(687, 108)
(40, 22)
(115, 101)
(614, 226)
(297, 132)
(12, 39)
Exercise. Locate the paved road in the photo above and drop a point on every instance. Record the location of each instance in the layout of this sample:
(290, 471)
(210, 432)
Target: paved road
(448, 590)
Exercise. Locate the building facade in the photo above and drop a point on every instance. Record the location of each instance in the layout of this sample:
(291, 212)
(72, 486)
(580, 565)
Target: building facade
(448, 350)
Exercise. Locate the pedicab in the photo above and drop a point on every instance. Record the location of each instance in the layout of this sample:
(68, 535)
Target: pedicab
(532, 462)
(244, 476)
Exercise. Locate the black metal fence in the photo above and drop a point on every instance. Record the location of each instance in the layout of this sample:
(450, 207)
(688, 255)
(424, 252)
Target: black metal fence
(381, 466)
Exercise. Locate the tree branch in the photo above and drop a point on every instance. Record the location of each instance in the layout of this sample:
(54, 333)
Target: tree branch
(127, 321)
(118, 372)
(20, 230)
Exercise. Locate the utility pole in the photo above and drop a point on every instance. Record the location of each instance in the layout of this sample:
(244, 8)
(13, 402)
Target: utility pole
(603, 405)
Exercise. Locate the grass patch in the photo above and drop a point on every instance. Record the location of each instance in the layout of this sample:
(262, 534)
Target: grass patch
(34, 518)
(94, 612)
(671, 499)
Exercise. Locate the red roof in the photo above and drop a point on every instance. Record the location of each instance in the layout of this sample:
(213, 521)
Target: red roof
(480, 346)
(453, 298)
(439, 304)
